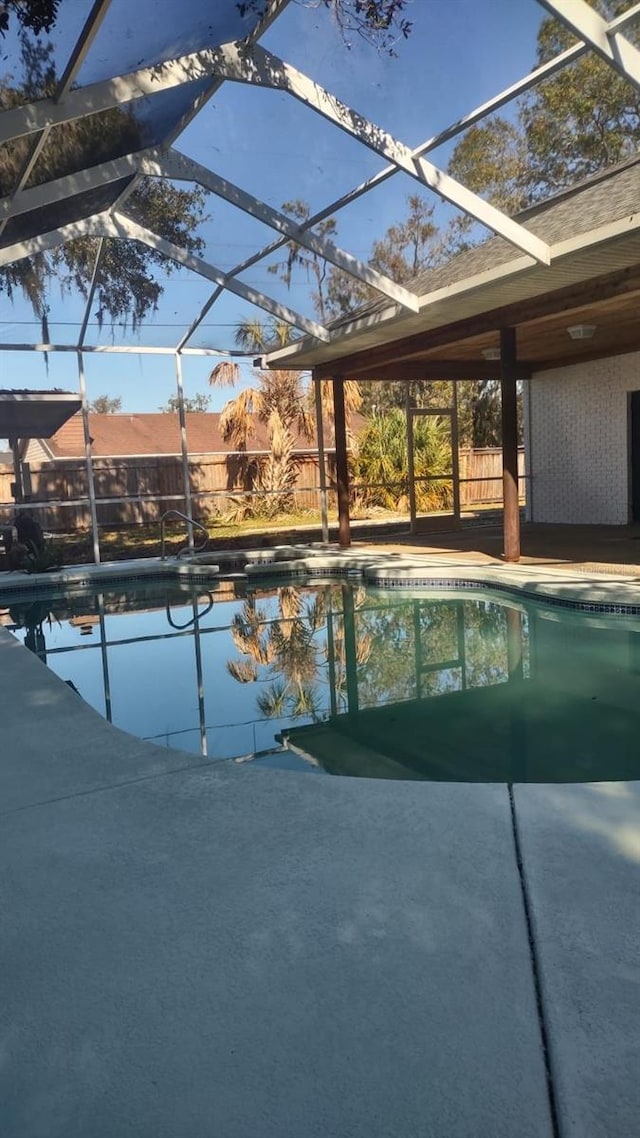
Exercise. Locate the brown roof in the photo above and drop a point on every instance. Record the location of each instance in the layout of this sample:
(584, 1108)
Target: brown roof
(119, 435)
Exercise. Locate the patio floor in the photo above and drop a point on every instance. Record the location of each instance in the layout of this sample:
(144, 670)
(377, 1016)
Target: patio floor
(589, 549)
(206, 948)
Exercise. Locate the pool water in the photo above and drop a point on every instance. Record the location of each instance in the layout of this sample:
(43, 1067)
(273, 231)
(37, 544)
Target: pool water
(335, 678)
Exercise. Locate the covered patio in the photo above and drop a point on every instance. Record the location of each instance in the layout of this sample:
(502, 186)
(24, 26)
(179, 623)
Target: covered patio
(555, 289)
(568, 332)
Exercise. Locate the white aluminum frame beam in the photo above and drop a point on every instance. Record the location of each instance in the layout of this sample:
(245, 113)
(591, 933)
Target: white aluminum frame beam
(122, 227)
(255, 66)
(30, 118)
(88, 227)
(125, 349)
(153, 163)
(48, 193)
(273, 9)
(260, 68)
(610, 44)
(125, 228)
(180, 168)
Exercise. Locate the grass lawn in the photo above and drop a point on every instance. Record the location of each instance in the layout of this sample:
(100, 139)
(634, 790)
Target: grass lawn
(144, 540)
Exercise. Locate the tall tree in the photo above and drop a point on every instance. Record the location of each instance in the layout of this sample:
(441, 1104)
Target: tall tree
(584, 118)
(106, 405)
(407, 248)
(198, 403)
(573, 124)
(299, 256)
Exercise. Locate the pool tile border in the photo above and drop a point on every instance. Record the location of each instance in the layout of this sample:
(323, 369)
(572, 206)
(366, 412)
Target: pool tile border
(295, 563)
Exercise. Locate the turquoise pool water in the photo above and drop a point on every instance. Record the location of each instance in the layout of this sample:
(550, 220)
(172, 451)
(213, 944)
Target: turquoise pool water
(334, 678)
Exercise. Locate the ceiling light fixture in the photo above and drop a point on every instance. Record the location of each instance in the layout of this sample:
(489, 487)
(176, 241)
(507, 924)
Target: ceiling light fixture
(581, 331)
(491, 353)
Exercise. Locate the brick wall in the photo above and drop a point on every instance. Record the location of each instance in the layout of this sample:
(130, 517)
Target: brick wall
(578, 435)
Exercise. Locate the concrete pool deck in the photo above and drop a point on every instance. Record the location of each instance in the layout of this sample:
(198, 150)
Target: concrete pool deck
(193, 948)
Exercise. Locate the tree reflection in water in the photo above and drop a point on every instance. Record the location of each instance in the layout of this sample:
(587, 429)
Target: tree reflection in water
(298, 652)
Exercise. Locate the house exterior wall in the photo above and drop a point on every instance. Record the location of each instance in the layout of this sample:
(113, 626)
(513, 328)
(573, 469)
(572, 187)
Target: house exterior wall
(36, 453)
(578, 440)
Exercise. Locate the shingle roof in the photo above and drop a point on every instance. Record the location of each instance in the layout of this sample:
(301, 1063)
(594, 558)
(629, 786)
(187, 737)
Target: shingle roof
(158, 434)
(611, 194)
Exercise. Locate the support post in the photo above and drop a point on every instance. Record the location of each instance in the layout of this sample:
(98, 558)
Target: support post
(184, 449)
(350, 649)
(514, 644)
(411, 473)
(508, 391)
(18, 495)
(82, 388)
(342, 465)
(322, 468)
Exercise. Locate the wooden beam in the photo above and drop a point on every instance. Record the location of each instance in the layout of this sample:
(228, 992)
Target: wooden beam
(415, 370)
(522, 312)
(342, 465)
(508, 391)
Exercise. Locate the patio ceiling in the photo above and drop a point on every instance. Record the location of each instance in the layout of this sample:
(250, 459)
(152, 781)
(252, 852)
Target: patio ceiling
(162, 68)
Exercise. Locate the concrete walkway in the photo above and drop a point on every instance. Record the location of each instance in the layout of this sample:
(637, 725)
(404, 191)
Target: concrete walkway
(192, 949)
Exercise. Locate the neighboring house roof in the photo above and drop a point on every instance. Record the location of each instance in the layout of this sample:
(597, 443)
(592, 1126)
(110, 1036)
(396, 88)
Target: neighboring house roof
(592, 228)
(155, 434)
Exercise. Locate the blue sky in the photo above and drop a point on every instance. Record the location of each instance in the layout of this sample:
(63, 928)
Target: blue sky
(460, 53)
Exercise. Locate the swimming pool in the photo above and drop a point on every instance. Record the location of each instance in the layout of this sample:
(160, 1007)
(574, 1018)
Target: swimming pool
(334, 677)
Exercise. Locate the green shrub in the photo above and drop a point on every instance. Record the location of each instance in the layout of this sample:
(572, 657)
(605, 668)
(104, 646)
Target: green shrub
(381, 465)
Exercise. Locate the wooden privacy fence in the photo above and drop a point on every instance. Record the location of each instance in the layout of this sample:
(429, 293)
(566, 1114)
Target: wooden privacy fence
(132, 491)
(139, 490)
(484, 466)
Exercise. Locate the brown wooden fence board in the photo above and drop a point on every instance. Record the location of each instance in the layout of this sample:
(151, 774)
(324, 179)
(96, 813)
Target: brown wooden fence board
(135, 480)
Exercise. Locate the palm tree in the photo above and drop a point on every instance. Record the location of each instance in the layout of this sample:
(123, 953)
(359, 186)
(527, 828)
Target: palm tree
(280, 401)
(288, 654)
(284, 652)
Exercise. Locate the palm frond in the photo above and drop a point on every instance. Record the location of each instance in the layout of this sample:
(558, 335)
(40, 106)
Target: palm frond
(224, 374)
(290, 601)
(236, 418)
(315, 613)
(272, 703)
(243, 671)
(252, 335)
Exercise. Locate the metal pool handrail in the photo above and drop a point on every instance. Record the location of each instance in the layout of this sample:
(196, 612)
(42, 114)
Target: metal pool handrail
(189, 521)
(198, 615)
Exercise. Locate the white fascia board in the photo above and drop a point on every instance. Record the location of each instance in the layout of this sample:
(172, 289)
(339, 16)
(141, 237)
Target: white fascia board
(179, 167)
(258, 67)
(588, 24)
(123, 227)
